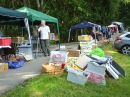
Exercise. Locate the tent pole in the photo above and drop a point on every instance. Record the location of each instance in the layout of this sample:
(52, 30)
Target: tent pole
(81, 31)
(76, 35)
(27, 26)
(69, 36)
(57, 26)
(22, 31)
(94, 30)
(32, 44)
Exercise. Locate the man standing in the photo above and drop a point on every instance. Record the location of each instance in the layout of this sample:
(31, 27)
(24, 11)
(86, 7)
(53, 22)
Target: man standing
(44, 31)
(104, 31)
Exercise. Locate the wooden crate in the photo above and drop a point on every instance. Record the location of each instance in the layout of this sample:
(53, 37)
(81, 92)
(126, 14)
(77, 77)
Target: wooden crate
(17, 39)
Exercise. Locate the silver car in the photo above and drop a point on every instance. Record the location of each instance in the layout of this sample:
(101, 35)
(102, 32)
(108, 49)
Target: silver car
(122, 43)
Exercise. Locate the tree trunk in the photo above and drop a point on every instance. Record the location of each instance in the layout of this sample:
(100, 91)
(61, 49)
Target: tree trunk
(24, 2)
(38, 4)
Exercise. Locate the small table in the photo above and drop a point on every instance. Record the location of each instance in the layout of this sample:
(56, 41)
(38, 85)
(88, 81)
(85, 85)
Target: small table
(5, 46)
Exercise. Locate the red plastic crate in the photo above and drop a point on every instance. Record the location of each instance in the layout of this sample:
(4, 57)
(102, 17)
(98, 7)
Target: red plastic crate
(5, 41)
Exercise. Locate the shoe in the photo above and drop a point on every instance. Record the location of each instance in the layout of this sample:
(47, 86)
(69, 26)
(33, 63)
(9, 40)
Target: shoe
(48, 54)
(45, 55)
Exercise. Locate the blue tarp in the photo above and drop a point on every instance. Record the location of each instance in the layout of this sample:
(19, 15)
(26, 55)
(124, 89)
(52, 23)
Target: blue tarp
(83, 25)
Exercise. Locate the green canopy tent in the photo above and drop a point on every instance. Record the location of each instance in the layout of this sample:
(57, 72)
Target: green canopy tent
(35, 18)
(7, 15)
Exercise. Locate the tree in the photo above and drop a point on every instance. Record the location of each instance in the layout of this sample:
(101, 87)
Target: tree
(70, 12)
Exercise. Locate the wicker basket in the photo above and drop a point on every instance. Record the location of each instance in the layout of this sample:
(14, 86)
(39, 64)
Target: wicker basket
(56, 72)
(52, 69)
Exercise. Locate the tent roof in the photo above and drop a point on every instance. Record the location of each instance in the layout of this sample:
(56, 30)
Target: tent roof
(34, 15)
(8, 14)
(118, 23)
(112, 25)
(84, 25)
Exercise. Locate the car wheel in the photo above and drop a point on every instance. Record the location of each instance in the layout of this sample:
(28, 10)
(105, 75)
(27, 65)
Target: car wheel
(126, 50)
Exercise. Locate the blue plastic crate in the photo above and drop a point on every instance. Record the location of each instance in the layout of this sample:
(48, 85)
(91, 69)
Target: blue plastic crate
(15, 65)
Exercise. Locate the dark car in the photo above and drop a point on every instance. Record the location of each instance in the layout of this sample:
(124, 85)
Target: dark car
(122, 43)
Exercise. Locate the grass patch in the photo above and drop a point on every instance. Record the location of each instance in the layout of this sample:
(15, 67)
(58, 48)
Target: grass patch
(57, 86)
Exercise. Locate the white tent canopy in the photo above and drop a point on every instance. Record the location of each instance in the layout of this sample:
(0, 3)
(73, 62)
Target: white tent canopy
(112, 25)
(119, 24)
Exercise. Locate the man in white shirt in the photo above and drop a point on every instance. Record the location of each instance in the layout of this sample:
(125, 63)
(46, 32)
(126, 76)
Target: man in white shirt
(44, 31)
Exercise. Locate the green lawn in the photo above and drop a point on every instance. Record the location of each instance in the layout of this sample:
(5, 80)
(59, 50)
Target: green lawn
(57, 86)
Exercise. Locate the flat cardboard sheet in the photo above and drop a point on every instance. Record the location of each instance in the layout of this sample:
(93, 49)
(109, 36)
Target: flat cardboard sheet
(83, 61)
(28, 57)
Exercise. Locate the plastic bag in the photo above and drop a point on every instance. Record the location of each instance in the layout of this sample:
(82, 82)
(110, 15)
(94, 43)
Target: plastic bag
(99, 52)
(58, 56)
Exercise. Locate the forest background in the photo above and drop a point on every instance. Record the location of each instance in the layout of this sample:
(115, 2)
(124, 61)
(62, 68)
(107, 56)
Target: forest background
(71, 12)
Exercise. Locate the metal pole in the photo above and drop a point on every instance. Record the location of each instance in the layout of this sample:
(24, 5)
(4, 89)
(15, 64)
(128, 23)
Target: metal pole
(69, 36)
(22, 31)
(94, 33)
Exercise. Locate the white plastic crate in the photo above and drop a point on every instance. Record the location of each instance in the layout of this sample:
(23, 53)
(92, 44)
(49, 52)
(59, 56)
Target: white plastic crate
(97, 73)
(96, 68)
(77, 76)
(25, 50)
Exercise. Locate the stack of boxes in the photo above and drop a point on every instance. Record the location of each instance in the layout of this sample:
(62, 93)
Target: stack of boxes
(87, 44)
(72, 58)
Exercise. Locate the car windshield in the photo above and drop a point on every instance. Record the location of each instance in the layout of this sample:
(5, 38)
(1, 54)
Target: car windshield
(128, 36)
(123, 35)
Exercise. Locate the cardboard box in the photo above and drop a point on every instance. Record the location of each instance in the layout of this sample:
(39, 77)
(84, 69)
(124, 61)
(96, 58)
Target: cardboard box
(94, 46)
(3, 67)
(28, 57)
(54, 36)
(85, 50)
(87, 43)
(71, 63)
(73, 57)
(17, 39)
(83, 61)
(47, 67)
(85, 38)
(19, 56)
(84, 53)
(73, 53)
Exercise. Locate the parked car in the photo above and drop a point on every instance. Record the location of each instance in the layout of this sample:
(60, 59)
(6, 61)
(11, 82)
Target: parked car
(122, 43)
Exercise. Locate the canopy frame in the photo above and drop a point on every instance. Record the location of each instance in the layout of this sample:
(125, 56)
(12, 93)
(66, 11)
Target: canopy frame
(83, 25)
